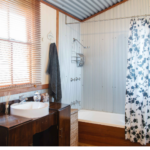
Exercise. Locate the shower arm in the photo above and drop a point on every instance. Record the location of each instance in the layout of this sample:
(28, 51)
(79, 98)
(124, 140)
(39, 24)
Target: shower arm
(74, 40)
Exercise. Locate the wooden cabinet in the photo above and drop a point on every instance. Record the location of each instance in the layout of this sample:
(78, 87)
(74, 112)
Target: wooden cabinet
(63, 123)
(64, 127)
(19, 131)
(50, 130)
(20, 135)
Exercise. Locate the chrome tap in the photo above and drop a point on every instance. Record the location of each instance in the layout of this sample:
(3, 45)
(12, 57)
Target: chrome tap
(22, 99)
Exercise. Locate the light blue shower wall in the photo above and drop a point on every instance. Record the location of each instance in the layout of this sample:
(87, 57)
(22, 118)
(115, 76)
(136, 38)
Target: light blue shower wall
(71, 91)
(104, 72)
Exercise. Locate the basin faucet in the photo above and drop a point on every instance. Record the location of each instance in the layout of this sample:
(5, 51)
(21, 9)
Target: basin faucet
(22, 99)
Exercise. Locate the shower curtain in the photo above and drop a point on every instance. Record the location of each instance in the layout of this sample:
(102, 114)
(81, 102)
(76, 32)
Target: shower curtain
(137, 106)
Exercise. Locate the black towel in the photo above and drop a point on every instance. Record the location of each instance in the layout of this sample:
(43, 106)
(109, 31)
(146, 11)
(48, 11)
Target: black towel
(54, 73)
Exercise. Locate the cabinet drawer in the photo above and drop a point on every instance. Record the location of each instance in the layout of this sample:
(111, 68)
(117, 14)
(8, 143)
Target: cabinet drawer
(44, 123)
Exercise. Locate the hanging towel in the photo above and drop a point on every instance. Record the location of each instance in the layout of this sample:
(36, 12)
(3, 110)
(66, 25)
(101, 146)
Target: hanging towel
(54, 74)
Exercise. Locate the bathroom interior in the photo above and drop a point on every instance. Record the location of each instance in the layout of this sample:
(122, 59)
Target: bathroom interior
(74, 73)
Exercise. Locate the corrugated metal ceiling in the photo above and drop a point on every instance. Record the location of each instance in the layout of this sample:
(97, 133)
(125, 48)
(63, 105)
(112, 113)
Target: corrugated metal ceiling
(83, 9)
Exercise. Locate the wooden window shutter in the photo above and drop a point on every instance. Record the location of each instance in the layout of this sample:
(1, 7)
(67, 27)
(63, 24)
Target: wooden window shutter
(20, 45)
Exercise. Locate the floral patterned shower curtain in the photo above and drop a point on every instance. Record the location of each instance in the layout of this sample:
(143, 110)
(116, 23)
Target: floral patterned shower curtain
(137, 106)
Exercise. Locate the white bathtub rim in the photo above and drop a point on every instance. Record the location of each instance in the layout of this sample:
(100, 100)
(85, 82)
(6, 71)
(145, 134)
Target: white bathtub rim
(98, 122)
(105, 124)
(100, 111)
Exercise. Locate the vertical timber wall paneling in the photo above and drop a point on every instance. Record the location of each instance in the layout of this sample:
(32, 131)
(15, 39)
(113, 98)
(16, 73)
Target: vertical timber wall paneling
(104, 73)
(71, 91)
(57, 30)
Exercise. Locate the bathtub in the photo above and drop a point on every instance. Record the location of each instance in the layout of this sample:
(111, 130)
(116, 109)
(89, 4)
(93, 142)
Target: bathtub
(102, 129)
(102, 118)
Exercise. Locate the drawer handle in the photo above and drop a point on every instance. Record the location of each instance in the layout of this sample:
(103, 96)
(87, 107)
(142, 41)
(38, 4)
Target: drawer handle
(61, 132)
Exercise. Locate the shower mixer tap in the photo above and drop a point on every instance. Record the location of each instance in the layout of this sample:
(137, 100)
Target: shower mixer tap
(73, 103)
(78, 102)
(75, 79)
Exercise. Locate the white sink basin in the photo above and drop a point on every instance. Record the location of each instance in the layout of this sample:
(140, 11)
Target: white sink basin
(30, 109)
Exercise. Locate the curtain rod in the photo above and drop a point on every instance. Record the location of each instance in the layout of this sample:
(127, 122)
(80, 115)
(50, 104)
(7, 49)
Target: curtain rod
(107, 19)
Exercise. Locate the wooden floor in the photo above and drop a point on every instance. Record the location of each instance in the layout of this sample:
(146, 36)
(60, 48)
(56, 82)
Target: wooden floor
(83, 144)
(100, 135)
(89, 145)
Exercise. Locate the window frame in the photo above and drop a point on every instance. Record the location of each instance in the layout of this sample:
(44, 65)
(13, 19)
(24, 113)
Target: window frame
(30, 35)
(11, 42)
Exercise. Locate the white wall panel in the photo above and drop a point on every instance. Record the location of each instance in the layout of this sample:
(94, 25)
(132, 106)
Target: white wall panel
(71, 91)
(104, 73)
(48, 24)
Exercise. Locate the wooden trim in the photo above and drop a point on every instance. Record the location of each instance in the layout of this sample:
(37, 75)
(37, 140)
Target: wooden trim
(26, 89)
(104, 10)
(74, 128)
(57, 30)
(73, 111)
(56, 8)
(101, 135)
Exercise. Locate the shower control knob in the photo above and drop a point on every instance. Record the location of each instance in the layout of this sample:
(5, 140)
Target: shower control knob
(76, 79)
(71, 79)
(79, 103)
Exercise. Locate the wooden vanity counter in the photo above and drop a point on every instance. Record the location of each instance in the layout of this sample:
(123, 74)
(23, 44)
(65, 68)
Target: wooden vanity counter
(19, 131)
(50, 130)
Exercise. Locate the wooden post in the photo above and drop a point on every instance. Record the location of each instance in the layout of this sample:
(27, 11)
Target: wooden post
(57, 30)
